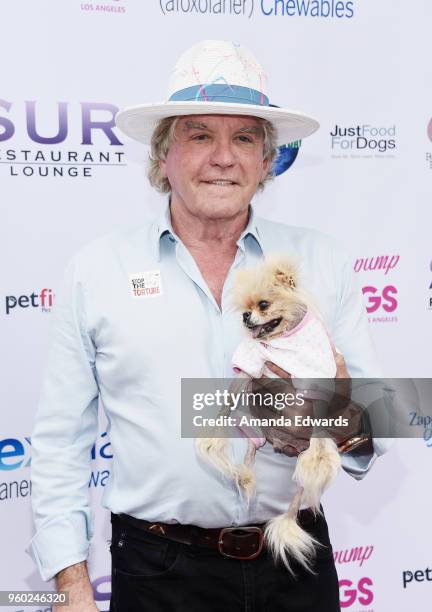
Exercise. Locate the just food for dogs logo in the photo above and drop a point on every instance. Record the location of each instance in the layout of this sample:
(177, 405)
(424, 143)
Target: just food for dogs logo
(324, 9)
(381, 297)
(363, 140)
(57, 139)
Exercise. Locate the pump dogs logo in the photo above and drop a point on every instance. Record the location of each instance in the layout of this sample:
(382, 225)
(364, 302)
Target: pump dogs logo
(379, 291)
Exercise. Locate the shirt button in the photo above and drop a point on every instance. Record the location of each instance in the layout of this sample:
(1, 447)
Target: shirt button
(172, 238)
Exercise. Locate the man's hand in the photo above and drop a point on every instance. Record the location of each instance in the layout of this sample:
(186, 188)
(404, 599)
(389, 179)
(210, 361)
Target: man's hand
(293, 440)
(75, 580)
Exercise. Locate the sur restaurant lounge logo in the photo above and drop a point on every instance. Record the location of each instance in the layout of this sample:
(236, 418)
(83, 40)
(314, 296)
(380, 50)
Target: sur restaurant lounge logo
(44, 139)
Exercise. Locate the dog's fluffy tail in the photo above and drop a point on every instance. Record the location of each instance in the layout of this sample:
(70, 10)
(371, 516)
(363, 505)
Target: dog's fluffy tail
(316, 467)
(285, 538)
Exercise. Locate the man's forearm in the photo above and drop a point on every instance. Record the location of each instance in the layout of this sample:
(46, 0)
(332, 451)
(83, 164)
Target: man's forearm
(75, 581)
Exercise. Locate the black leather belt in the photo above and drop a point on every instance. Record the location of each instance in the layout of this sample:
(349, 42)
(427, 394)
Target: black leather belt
(246, 542)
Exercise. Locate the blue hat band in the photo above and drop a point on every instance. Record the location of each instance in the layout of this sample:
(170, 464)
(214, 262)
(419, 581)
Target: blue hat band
(220, 92)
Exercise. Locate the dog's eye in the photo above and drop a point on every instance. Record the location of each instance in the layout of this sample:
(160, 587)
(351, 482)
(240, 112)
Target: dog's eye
(263, 305)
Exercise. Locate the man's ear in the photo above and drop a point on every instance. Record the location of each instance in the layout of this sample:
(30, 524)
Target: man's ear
(266, 169)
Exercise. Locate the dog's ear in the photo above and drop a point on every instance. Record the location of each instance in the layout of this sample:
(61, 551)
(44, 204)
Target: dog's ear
(287, 279)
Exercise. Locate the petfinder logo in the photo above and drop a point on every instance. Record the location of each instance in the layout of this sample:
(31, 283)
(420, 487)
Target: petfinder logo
(324, 9)
(38, 299)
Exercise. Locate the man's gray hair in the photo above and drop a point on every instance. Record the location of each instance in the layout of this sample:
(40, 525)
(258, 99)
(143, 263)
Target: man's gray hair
(164, 134)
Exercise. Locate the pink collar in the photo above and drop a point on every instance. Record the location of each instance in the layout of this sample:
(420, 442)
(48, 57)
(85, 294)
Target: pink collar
(306, 319)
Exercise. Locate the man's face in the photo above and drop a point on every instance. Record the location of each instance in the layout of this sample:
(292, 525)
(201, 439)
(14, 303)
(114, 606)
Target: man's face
(215, 164)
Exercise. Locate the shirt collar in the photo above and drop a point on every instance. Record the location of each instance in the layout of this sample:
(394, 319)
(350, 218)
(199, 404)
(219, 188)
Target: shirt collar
(251, 229)
(162, 227)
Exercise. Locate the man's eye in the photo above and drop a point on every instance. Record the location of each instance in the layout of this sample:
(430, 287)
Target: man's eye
(200, 137)
(263, 305)
(245, 138)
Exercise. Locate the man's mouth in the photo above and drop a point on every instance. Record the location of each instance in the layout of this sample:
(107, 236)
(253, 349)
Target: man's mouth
(258, 331)
(221, 182)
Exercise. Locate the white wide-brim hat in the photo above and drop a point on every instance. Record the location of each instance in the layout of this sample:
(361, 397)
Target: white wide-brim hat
(216, 77)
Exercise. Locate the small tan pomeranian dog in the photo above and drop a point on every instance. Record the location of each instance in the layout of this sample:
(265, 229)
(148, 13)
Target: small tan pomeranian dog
(284, 327)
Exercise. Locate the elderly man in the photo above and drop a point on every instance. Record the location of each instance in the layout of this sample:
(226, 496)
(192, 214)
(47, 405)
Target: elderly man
(142, 309)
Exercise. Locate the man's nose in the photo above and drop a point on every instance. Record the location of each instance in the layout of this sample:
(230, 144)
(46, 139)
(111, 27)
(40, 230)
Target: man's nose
(222, 154)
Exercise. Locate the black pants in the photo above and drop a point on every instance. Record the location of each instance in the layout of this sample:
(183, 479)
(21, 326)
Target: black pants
(153, 574)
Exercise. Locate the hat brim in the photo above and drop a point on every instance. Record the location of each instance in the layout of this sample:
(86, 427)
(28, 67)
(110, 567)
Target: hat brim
(138, 122)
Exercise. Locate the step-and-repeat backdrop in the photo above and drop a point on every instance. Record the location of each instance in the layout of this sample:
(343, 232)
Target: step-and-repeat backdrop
(364, 69)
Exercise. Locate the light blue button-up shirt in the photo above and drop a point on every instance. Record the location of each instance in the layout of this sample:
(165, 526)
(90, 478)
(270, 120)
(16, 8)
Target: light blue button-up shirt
(133, 352)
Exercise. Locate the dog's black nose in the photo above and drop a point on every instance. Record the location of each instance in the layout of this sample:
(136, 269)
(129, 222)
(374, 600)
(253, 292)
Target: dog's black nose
(246, 316)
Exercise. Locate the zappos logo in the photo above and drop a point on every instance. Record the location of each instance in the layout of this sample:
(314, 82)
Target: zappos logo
(324, 9)
(425, 423)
